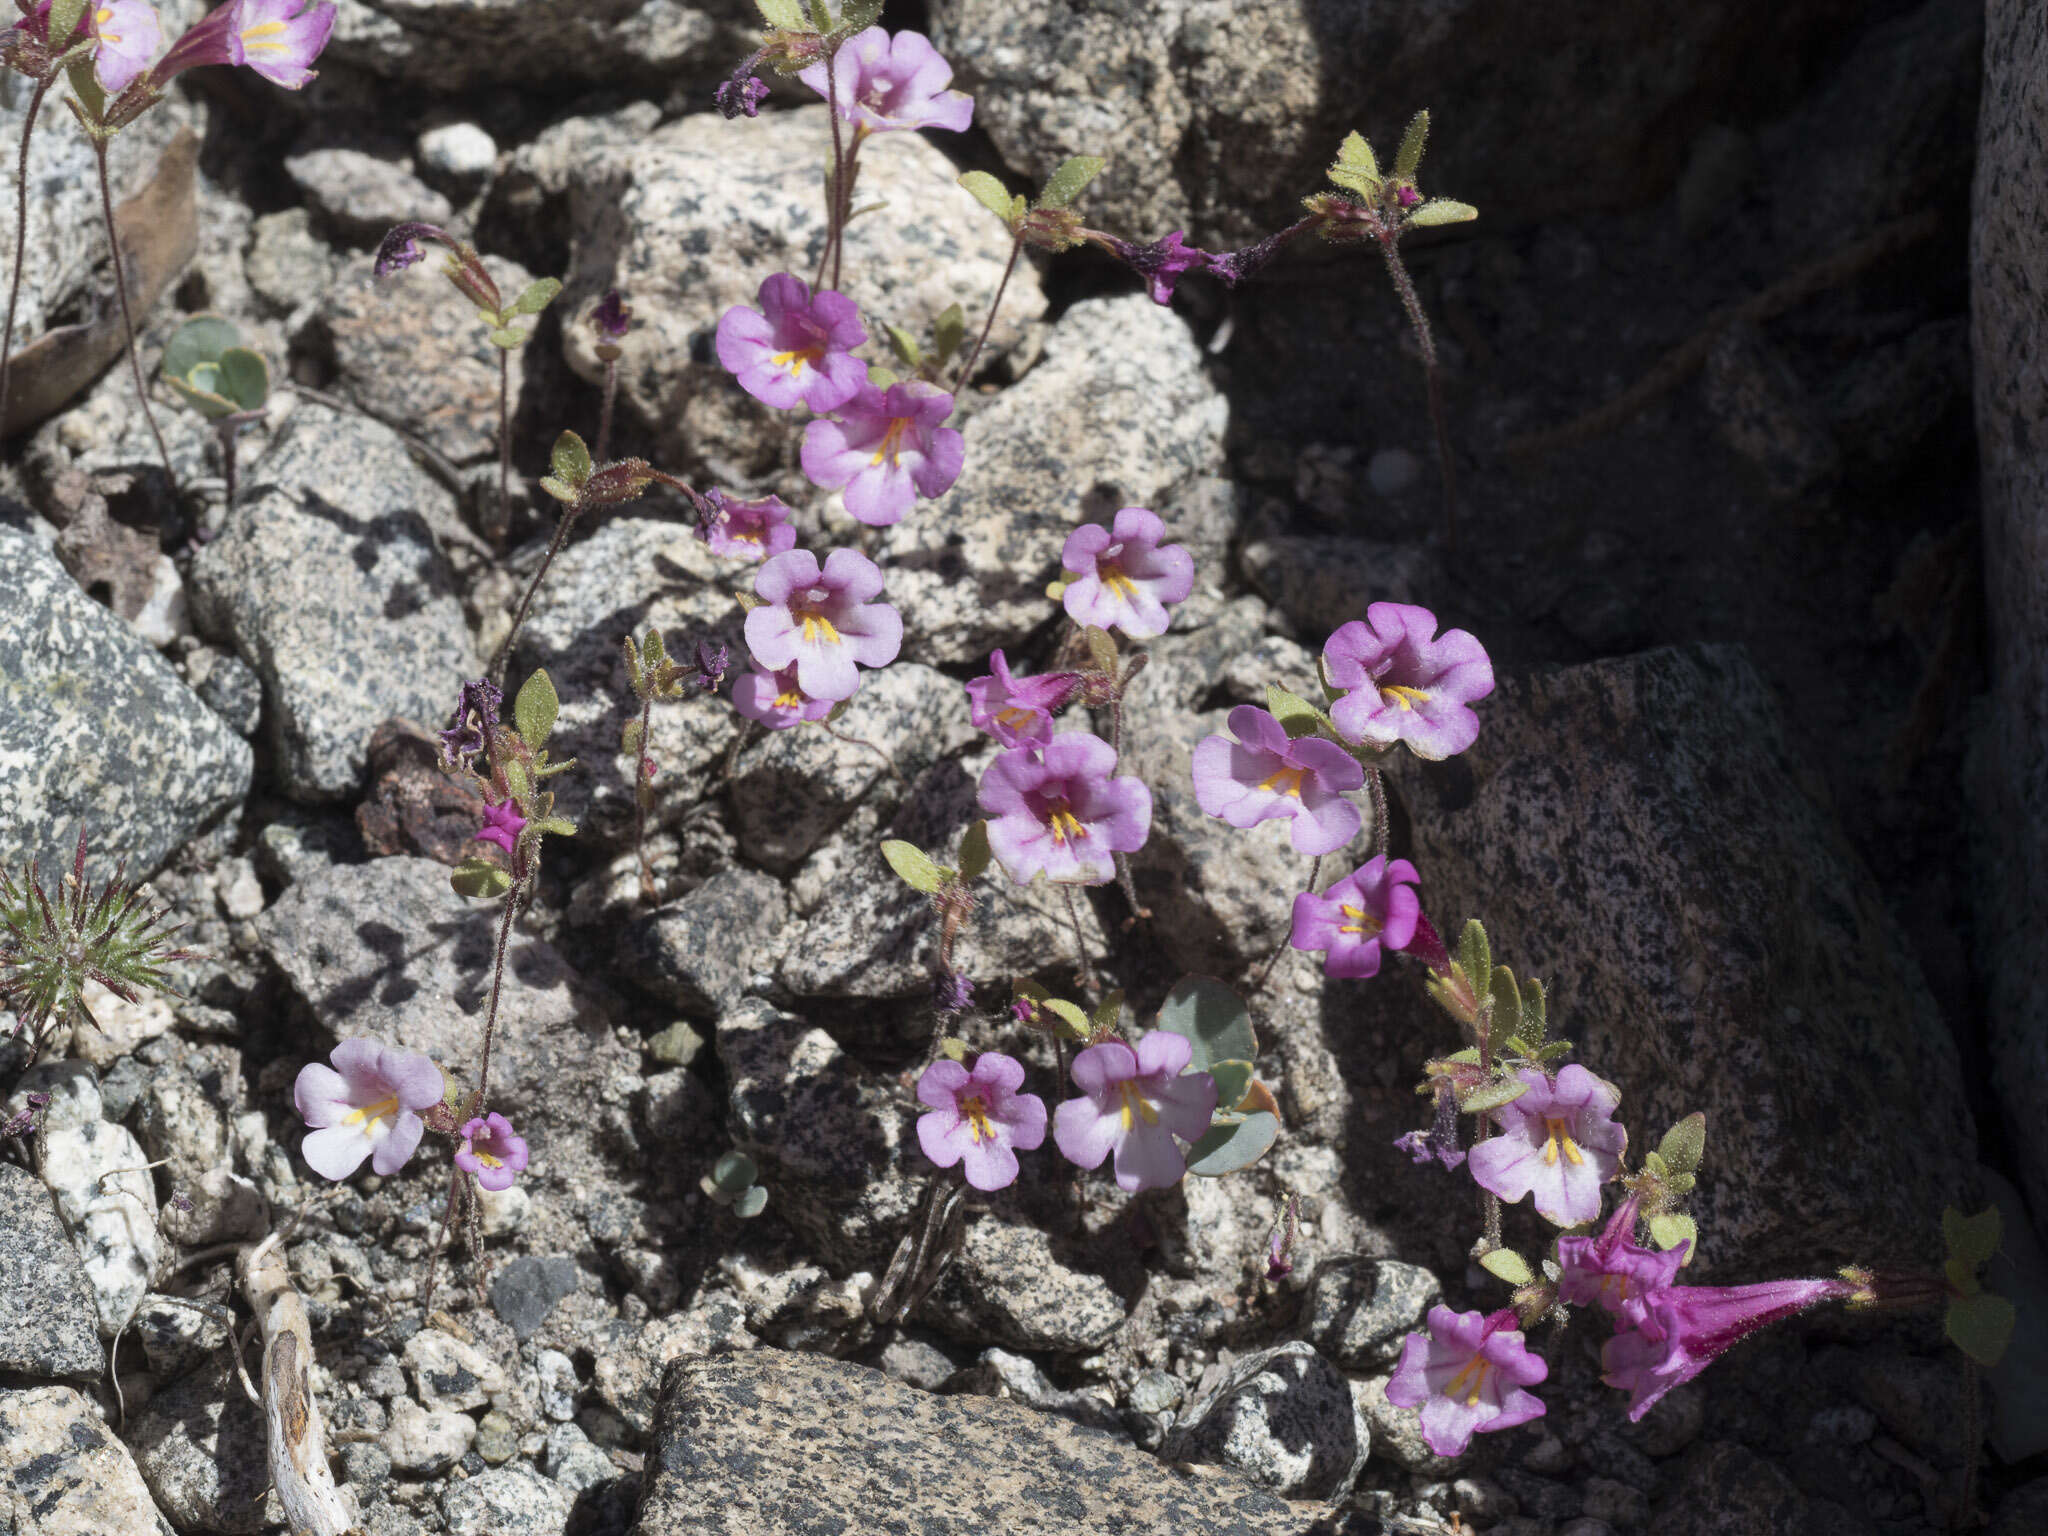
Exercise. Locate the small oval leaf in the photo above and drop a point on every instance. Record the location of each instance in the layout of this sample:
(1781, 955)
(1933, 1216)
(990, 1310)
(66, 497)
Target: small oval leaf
(1227, 1148)
(1213, 1017)
(479, 877)
(974, 851)
(1506, 1264)
(534, 711)
(913, 866)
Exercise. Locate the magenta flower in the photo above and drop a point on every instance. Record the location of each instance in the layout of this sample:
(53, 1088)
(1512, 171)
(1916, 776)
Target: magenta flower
(1558, 1141)
(1438, 1144)
(1062, 815)
(745, 530)
(1685, 1327)
(886, 450)
(1467, 1375)
(795, 349)
(775, 700)
(1123, 578)
(129, 34)
(822, 622)
(492, 1151)
(979, 1118)
(1134, 1102)
(740, 97)
(1374, 908)
(1263, 774)
(1017, 711)
(279, 39)
(366, 1105)
(1611, 1270)
(502, 825)
(882, 83)
(1405, 685)
(1161, 263)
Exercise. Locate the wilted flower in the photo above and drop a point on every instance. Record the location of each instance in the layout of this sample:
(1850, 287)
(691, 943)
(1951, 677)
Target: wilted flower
(1133, 1103)
(1017, 711)
(775, 700)
(491, 1151)
(1371, 910)
(1264, 774)
(1406, 683)
(886, 450)
(979, 1118)
(1467, 1375)
(953, 993)
(1161, 263)
(822, 621)
(128, 34)
(745, 530)
(795, 349)
(502, 825)
(366, 1105)
(1122, 577)
(1438, 1144)
(611, 318)
(279, 39)
(1684, 1327)
(882, 83)
(469, 732)
(740, 96)
(1063, 815)
(1558, 1141)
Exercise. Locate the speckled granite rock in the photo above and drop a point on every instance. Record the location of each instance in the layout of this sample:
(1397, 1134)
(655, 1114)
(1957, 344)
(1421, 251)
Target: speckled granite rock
(46, 1311)
(1317, 584)
(699, 952)
(2009, 273)
(1118, 412)
(65, 1474)
(1283, 1417)
(1012, 1284)
(358, 197)
(688, 220)
(328, 581)
(200, 1447)
(773, 1444)
(97, 729)
(1636, 832)
(1361, 1310)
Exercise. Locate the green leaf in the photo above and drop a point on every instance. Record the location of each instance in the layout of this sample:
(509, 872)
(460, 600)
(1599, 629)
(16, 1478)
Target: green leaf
(1476, 956)
(1507, 1002)
(857, 15)
(539, 294)
(1671, 1229)
(949, 331)
(1077, 1022)
(1506, 1264)
(1109, 1011)
(1467, 1057)
(244, 378)
(1356, 168)
(904, 345)
(509, 340)
(1534, 1011)
(534, 711)
(1296, 715)
(1557, 1050)
(85, 86)
(1492, 1095)
(913, 866)
(517, 780)
(1070, 180)
(198, 393)
(990, 193)
(560, 490)
(1233, 1078)
(202, 339)
(1441, 210)
(479, 877)
(1973, 1239)
(1685, 1144)
(1101, 648)
(632, 738)
(974, 851)
(554, 826)
(752, 1203)
(570, 460)
(1228, 1146)
(1213, 1018)
(64, 18)
(1980, 1326)
(787, 14)
(732, 1173)
(1409, 156)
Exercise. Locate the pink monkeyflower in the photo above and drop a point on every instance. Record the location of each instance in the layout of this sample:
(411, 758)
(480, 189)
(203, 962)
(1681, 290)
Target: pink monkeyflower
(1371, 910)
(1685, 1327)
(823, 622)
(129, 35)
(1122, 577)
(745, 530)
(366, 1105)
(1133, 1103)
(1612, 1271)
(1062, 814)
(1467, 1375)
(1017, 711)
(492, 1151)
(502, 825)
(775, 700)
(1161, 263)
(1558, 1141)
(979, 1118)
(795, 349)
(1264, 774)
(880, 83)
(886, 450)
(279, 39)
(1406, 683)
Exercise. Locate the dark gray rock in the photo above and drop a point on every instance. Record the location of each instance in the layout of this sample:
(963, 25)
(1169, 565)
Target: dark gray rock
(1285, 1419)
(47, 1323)
(1360, 1310)
(1317, 583)
(460, 45)
(1015, 1285)
(200, 1445)
(2023, 1511)
(177, 1338)
(359, 197)
(329, 582)
(773, 1444)
(67, 1471)
(701, 951)
(505, 1501)
(232, 690)
(524, 1291)
(98, 731)
(1768, 418)
(1727, 951)
(1723, 1489)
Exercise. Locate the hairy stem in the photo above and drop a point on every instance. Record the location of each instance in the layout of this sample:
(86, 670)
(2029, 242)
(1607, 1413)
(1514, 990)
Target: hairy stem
(483, 1074)
(228, 434)
(1086, 974)
(504, 441)
(28, 128)
(647, 892)
(1427, 343)
(1139, 911)
(987, 325)
(838, 172)
(604, 419)
(99, 149)
(1376, 787)
(1315, 870)
(504, 651)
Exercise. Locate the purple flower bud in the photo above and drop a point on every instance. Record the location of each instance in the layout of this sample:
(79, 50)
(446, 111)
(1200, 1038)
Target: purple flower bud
(713, 661)
(401, 247)
(1440, 1142)
(611, 318)
(954, 993)
(181, 1202)
(1407, 197)
(740, 97)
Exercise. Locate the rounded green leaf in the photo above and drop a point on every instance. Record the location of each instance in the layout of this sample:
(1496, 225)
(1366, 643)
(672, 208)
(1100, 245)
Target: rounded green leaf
(202, 339)
(1506, 1264)
(990, 193)
(948, 331)
(1233, 1078)
(244, 377)
(539, 294)
(752, 1203)
(974, 852)
(1441, 210)
(1070, 180)
(1296, 715)
(570, 459)
(1076, 1022)
(733, 1172)
(1684, 1144)
(1973, 1239)
(1671, 1229)
(913, 866)
(198, 394)
(1981, 1326)
(1229, 1146)
(1492, 1096)
(479, 877)
(534, 711)
(1213, 1017)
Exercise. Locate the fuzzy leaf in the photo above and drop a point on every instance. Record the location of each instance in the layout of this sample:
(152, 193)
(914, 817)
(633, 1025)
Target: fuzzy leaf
(1357, 168)
(990, 193)
(1108, 1011)
(509, 340)
(1070, 180)
(1506, 1264)
(913, 866)
(202, 339)
(1233, 1082)
(1467, 1057)
(1296, 715)
(1973, 1239)
(974, 851)
(534, 711)
(518, 780)
(1077, 1024)
(733, 1172)
(196, 390)
(1557, 1050)
(1492, 1095)
(570, 459)
(479, 877)
(1476, 956)
(949, 331)
(752, 1203)
(1535, 1011)
(787, 14)
(905, 346)
(632, 738)
(553, 826)
(1507, 1002)
(539, 294)
(1229, 1146)
(560, 490)
(1684, 1144)
(1441, 210)
(64, 18)
(1101, 648)
(857, 15)
(1671, 1229)
(1213, 1017)
(1409, 156)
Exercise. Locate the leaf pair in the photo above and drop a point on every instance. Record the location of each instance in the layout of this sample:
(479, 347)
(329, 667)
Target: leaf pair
(1218, 1026)
(921, 872)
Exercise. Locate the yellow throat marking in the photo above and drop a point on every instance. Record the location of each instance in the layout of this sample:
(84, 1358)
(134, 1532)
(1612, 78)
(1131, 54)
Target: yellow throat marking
(797, 360)
(1362, 922)
(267, 32)
(1112, 576)
(975, 1112)
(1065, 828)
(1135, 1106)
(1559, 1135)
(368, 1116)
(1286, 780)
(817, 627)
(891, 442)
(1471, 1380)
(1406, 697)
